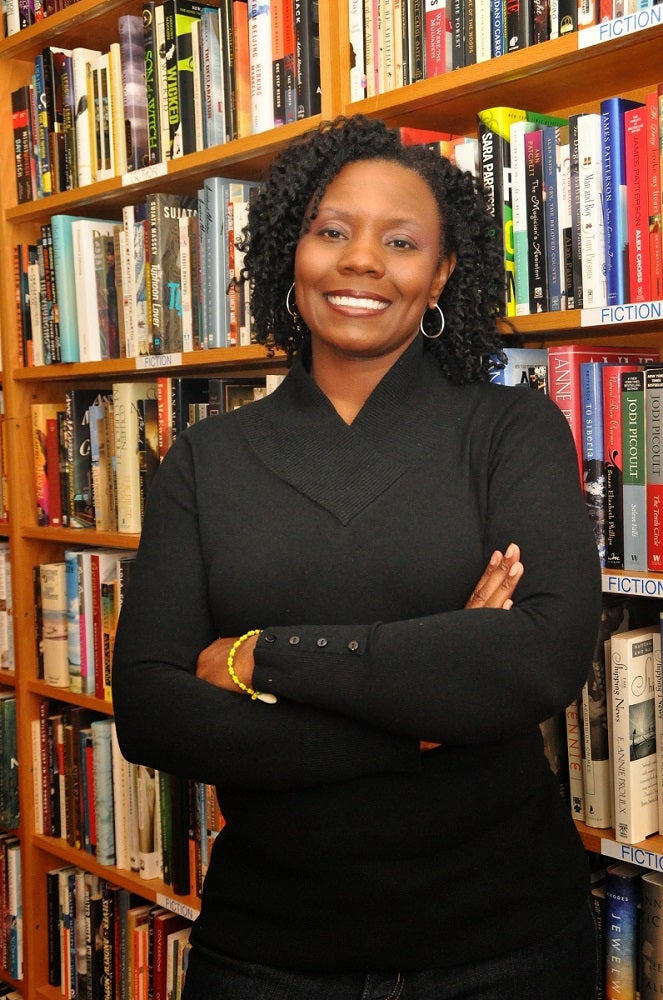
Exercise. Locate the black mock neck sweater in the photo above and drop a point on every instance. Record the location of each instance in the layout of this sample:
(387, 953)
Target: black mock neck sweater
(355, 549)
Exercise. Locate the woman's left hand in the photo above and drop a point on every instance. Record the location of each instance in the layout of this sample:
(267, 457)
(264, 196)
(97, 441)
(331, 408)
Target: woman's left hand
(498, 583)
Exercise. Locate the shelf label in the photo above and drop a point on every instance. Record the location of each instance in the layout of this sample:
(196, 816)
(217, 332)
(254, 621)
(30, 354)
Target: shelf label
(640, 20)
(147, 362)
(636, 855)
(144, 174)
(630, 312)
(176, 906)
(639, 586)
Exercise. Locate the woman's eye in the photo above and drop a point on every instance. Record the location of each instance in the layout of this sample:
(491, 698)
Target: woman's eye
(402, 244)
(331, 233)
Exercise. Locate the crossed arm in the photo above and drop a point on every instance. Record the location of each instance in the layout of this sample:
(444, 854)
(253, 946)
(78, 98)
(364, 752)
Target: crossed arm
(495, 589)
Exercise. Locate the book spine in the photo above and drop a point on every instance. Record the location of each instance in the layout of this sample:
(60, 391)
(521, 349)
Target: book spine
(134, 88)
(150, 57)
(260, 65)
(551, 144)
(614, 465)
(654, 474)
(575, 291)
(621, 943)
(591, 389)
(634, 735)
(307, 58)
(574, 747)
(592, 243)
(536, 233)
(637, 184)
(654, 203)
(634, 471)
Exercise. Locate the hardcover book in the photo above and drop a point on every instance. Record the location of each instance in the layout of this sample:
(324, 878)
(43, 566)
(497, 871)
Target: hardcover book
(178, 15)
(637, 199)
(614, 198)
(651, 935)
(134, 90)
(53, 593)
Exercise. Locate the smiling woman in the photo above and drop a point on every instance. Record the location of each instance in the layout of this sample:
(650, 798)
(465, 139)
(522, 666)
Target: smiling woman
(361, 667)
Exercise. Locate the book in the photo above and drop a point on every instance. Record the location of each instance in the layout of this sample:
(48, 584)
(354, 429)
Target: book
(614, 463)
(53, 594)
(651, 935)
(495, 169)
(134, 89)
(77, 405)
(573, 718)
(41, 414)
(654, 468)
(81, 57)
(178, 16)
(102, 114)
(65, 281)
(634, 734)
(307, 57)
(525, 366)
(125, 415)
(214, 98)
(260, 65)
(614, 198)
(622, 896)
(592, 240)
(165, 268)
(536, 231)
(655, 210)
(564, 378)
(636, 154)
(96, 295)
(594, 486)
(634, 489)
(21, 100)
(554, 139)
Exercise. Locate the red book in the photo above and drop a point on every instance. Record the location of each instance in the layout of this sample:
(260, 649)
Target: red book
(637, 202)
(165, 923)
(564, 362)
(654, 151)
(435, 33)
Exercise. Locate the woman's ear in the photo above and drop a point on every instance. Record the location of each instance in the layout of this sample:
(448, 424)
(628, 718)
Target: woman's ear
(442, 274)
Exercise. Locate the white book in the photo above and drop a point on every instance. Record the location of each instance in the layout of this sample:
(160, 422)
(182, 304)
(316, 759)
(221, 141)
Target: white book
(118, 126)
(634, 735)
(260, 66)
(90, 239)
(80, 57)
(120, 803)
(483, 30)
(148, 822)
(102, 755)
(565, 218)
(186, 288)
(53, 585)
(13, 17)
(357, 61)
(592, 237)
(127, 473)
(127, 263)
(35, 314)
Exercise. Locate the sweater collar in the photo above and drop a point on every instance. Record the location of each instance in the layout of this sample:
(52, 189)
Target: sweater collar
(299, 436)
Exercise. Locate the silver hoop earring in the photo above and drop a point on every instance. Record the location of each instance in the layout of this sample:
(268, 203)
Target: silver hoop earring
(439, 320)
(290, 309)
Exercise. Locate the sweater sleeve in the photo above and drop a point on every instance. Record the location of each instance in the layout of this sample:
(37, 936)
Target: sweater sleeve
(169, 719)
(464, 676)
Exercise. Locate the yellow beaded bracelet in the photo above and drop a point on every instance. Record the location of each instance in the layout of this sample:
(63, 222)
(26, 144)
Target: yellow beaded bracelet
(231, 670)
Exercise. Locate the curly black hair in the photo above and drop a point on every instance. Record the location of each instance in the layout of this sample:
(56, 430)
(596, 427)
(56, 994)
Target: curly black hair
(288, 200)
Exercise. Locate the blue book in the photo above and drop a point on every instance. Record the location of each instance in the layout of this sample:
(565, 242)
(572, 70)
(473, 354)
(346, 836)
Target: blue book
(614, 197)
(214, 118)
(73, 621)
(497, 12)
(215, 253)
(65, 284)
(593, 459)
(622, 894)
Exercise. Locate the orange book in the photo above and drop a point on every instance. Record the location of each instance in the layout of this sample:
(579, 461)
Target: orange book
(242, 76)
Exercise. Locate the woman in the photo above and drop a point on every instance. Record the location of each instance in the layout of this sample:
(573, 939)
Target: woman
(330, 619)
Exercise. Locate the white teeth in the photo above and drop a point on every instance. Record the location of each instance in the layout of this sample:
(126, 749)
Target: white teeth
(355, 303)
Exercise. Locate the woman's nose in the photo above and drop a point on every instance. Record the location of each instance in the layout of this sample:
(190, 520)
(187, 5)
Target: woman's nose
(362, 254)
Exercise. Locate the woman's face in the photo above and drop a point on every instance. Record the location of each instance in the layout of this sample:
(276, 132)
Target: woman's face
(369, 267)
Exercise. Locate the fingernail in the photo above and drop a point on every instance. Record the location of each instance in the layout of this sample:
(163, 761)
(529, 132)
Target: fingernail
(268, 699)
(515, 569)
(510, 551)
(495, 558)
(507, 605)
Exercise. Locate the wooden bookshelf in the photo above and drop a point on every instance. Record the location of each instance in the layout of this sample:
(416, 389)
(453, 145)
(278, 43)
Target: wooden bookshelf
(557, 76)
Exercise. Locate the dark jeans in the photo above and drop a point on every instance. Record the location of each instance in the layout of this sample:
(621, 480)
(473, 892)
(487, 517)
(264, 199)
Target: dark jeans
(562, 968)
